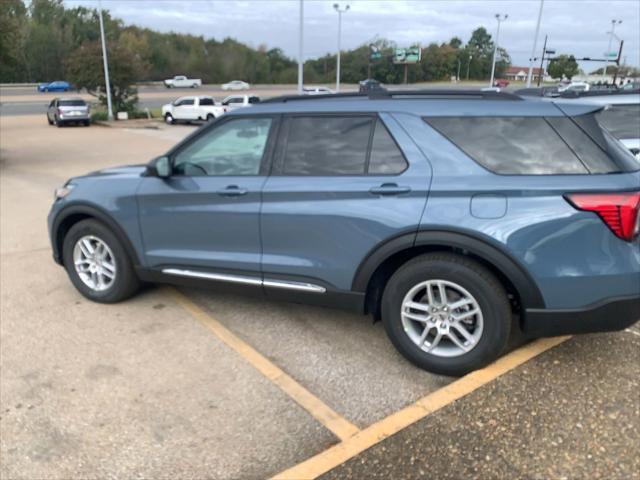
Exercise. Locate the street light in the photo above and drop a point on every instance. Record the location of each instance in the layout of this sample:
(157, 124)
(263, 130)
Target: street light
(611, 34)
(340, 12)
(300, 49)
(535, 44)
(500, 19)
(106, 65)
(469, 65)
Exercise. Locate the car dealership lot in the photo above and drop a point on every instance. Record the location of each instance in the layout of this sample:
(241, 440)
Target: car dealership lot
(204, 384)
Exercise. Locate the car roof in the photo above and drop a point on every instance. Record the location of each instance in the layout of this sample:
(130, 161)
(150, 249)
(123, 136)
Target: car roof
(421, 103)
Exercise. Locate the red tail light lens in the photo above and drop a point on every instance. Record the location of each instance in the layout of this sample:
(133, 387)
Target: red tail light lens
(620, 211)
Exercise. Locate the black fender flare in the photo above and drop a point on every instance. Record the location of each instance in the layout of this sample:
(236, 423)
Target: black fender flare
(480, 246)
(94, 212)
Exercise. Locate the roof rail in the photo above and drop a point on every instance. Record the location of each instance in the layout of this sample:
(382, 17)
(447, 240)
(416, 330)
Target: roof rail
(424, 94)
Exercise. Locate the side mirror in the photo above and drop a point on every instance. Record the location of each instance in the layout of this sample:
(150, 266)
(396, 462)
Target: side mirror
(160, 167)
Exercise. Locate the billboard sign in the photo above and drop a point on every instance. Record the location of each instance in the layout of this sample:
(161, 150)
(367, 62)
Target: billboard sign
(407, 55)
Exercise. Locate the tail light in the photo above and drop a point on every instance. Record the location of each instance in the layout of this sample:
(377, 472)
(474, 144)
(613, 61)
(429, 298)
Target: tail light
(620, 211)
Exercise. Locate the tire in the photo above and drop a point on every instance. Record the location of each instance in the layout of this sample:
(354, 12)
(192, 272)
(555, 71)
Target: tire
(49, 120)
(210, 117)
(463, 279)
(168, 118)
(86, 123)
(124, 282)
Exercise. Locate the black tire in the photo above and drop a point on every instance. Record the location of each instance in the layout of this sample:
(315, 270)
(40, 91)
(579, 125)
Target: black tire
(478, 281)
(87, 123)
(168, 118)
(125, 283)
(210, 117)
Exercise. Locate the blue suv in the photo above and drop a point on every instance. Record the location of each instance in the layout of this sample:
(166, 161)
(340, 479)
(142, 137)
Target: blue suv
(452, 216)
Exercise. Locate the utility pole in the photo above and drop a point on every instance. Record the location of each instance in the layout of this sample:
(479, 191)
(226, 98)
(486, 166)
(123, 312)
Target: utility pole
(611, 34)
(340, 12)
(300, 49)
(544, 49)
(469, 65)
(458, 75)
(500, 19)
(106, 65)
(535, 44)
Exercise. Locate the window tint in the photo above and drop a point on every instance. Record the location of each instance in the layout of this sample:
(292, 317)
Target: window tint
(206, 101)
(186, 101)
(386, 157)
(254, 100)
(327, 145)
(235, 147)
(511, 145)
(623, 121)
(72, 103)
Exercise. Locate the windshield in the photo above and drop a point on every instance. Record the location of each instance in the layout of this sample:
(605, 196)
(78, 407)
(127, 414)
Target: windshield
(72, 103)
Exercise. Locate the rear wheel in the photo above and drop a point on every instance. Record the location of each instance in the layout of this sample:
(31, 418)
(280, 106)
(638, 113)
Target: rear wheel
(98, 264)
(86, 123)
(446, 313)
(210, 117)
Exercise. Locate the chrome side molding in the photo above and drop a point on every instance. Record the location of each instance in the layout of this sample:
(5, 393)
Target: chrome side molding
(223, 277)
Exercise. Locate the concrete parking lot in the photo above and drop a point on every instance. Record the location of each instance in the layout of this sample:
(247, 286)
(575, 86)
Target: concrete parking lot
(182, 383)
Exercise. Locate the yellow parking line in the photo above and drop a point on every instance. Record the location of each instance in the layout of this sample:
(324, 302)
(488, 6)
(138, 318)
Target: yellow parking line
(340, 426)
(340, 453)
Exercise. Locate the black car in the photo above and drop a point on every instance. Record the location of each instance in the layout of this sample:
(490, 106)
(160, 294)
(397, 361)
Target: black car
(370, 85)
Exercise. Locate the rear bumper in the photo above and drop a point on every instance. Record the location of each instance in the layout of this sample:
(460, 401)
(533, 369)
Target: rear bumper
(607, 316)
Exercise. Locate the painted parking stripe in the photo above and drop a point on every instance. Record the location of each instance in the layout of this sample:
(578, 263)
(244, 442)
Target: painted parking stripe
(632, 331)
(340, 453)
(324, 414)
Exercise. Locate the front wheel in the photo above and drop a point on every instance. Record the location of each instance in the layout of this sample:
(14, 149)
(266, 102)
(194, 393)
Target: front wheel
(168, 118)
(97, 263)
(446, 313)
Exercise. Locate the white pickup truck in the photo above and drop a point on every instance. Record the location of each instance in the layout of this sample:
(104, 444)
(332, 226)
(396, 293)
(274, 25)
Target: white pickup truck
(238, 101)
(180, 81)
(190, 109)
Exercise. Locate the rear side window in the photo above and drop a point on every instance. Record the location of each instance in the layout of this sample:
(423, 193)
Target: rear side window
(327, 145)
(623, 121)
(206, 101)
(536, 145)
(510, 145)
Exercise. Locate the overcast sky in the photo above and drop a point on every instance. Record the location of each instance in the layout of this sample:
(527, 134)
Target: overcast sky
(574, 26)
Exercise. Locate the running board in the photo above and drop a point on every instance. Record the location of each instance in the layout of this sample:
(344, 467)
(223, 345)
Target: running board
(271, 283)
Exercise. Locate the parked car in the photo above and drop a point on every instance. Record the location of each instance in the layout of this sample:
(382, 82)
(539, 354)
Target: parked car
(369, 85)
(188, 109)
(63, 111)
(449, 228)
(239, 101)
(180, 81)
(316, 90)
(574, 87)
(57, 86)
(235, 85)
(501, 83)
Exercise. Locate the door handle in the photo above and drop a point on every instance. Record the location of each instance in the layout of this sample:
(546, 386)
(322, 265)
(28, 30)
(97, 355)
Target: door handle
(232, 191)
(389, 189)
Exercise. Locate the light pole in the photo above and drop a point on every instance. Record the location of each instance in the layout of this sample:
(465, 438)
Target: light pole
(340, 12)
(106, 65)
(469, 65)
(535, 44)
(611, 34)
(300, 49)
(500, 19)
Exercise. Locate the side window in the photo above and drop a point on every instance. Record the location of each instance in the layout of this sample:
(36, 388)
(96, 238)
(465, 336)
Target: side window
(186, 102)
(623, 121)
(510, 145)
(386, 158)
(52, 104)
(254, 100)
(206, 101)
(235, 147)
(327, 145)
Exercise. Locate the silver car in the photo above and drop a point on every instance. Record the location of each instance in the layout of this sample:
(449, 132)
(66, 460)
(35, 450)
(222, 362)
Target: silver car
(63, 111)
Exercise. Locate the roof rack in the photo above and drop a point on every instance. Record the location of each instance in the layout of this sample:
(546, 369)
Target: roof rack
(426, 94)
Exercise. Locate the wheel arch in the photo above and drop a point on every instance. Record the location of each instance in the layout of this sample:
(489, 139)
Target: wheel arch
(73, 214)
(385, 259)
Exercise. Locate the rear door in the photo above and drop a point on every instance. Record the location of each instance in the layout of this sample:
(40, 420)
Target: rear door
(340, 186)
(185, 109)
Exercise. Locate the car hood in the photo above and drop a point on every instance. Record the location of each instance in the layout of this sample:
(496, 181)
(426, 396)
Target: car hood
(124, 171)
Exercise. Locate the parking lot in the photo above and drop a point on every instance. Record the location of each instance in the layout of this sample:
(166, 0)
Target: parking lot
(183, 383)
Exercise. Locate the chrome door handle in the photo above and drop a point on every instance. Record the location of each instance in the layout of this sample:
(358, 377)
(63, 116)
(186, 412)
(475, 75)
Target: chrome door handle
(389, 189)
(232, 191)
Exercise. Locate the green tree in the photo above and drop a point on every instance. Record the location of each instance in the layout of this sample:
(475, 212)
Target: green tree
(85, 70)
(563, 66)
(12, 25)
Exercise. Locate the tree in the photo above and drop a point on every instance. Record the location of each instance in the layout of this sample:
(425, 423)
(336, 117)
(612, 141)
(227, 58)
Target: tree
(563, 66)
(85, 70)
(12, 23)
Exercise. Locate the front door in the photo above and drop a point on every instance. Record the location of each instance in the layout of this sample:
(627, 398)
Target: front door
(206, 215)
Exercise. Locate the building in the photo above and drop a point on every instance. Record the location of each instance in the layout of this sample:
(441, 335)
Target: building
(519, 74)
